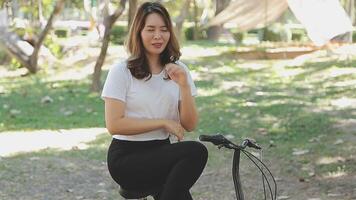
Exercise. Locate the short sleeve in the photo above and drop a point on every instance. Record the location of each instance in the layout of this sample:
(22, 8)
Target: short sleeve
(117, 82)
(193, 88)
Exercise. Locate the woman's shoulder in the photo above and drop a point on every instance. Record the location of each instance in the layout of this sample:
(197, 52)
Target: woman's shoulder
(180, 63)
(120, 67)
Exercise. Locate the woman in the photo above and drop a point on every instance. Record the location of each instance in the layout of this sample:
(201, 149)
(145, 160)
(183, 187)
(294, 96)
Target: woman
(147, 98)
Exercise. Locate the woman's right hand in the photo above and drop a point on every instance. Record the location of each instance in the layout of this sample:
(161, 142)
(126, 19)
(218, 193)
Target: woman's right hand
(174, 128)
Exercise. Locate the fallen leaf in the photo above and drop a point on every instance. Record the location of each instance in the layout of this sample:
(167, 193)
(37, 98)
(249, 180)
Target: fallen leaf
(298, 152)
(262, 131)
(339, 141)
(283, 197)
(14, 112)
(46, 99)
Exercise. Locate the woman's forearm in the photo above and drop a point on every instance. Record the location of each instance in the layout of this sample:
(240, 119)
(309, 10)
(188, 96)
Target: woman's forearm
(187, 112)
(133, 126)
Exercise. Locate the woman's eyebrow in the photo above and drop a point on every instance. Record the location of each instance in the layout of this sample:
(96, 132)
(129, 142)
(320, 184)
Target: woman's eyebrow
(151, 26)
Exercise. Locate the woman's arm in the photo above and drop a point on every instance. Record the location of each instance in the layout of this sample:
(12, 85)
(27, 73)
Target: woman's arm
(117, 123)
(187, 110)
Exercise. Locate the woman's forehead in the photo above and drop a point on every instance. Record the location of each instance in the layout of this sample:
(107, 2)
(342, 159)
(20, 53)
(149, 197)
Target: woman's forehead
(155, 20)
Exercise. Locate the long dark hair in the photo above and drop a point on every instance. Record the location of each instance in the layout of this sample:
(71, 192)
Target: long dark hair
(137, 61)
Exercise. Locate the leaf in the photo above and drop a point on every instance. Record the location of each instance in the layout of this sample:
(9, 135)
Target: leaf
(46, 99)
(14, 112)
(299, 152)
(283, 197)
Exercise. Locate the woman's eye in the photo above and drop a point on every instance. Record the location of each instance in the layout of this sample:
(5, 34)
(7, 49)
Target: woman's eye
(150, 30)
(164, 30)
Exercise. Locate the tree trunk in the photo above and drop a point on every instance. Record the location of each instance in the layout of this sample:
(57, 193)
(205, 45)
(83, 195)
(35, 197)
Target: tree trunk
(180, 20)
(40, 13)
(132, 11)
(34, 57)
(108, 23)
(214, 31)
(195, 35)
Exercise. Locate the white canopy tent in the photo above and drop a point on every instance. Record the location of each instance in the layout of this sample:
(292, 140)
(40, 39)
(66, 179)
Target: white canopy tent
(323, 19)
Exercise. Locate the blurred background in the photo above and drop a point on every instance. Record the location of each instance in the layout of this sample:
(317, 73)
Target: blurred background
(280, 71)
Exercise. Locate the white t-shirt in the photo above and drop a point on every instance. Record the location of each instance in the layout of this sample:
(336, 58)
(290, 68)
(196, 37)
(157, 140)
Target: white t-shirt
(153, 99)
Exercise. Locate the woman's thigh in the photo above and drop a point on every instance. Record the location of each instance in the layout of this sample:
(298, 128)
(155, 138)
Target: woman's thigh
(151, 167)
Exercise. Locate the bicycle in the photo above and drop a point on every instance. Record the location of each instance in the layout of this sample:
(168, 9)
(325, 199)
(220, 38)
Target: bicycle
(221, 141)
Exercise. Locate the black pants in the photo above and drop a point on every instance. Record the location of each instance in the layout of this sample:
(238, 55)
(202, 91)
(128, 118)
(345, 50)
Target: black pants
(145, 164)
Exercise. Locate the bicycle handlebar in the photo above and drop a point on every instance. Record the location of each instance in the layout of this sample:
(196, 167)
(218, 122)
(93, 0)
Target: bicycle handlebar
(219, 140)
(215, 139)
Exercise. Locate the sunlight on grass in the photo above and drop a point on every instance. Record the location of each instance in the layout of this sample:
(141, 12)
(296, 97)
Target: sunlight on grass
(344, 102)
(330, 160)
(42, 139)
(193, 52)
(208, 92)
(339, 172)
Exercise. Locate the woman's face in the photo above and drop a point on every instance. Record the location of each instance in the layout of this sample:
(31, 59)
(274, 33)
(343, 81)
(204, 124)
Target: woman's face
(155, 34)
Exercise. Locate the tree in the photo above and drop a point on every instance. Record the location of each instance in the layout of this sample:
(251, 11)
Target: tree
(180, 19)
(109, 21)
(22, 51)
(214, 31)
(132, 11)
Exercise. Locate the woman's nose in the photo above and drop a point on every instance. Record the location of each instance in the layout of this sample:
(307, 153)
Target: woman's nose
(157, 35)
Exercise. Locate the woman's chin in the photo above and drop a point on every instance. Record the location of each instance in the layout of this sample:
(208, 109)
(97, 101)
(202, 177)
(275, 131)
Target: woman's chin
(155, 51)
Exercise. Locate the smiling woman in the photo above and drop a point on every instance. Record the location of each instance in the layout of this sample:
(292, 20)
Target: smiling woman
(148, 98)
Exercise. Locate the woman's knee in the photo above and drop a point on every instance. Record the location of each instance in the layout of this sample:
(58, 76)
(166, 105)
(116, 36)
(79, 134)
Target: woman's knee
(197, 150)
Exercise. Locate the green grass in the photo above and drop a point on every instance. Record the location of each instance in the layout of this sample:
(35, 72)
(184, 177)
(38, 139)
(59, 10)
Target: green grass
(73, 105)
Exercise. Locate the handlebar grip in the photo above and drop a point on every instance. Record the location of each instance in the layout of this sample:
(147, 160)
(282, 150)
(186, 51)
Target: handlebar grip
(215, 139)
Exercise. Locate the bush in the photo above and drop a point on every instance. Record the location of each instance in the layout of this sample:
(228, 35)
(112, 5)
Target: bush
(118, 34)
(298, 35)
(62, 33)
(14, 64)
(354, 36)
(277, 33)
(3, 57)
(54, 47)
(238, 35)
(189, 33)
(20, 32)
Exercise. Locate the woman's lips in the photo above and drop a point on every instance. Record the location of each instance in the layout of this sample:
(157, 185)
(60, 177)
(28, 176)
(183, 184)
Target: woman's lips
(157, 45)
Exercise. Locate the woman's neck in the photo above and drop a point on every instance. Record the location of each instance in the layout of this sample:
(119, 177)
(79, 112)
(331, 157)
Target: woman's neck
(154, 63)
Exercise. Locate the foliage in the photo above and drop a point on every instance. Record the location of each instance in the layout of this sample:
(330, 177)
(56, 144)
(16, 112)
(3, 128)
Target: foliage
(14, 64)
(3, 56)
(238, 35)
(62, 32)
(189, 33)
(276, 33)
(118, 34)
(53, 46)
(298, 34)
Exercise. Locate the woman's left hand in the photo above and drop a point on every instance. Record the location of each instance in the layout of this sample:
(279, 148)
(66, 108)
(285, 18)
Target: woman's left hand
(177, 74)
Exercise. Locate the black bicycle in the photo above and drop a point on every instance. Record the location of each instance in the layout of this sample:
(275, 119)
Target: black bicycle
(221, 141)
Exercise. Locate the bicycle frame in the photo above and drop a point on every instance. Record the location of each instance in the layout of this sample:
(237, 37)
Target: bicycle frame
(236, 178)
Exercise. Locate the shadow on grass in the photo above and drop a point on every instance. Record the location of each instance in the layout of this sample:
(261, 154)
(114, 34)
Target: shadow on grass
(33, 103)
